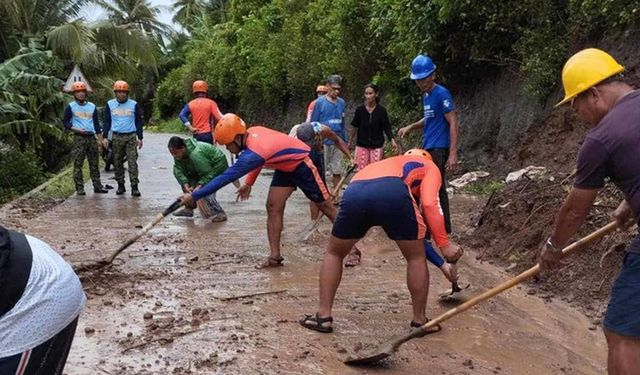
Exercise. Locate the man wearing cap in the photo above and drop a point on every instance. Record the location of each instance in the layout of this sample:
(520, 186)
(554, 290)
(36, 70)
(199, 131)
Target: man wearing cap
(313, 134)
(439, 124)
(81, 118)
(123, 117)
(597, 92)
(321, 90)
(329, 110)
(203, 111)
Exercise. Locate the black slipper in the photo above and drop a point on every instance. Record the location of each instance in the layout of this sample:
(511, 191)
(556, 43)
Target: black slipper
(315, 323)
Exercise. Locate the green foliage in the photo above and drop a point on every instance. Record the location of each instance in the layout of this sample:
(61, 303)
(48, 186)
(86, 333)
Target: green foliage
(19, 172)
(263, 57)
(174, 126)
(485, 187)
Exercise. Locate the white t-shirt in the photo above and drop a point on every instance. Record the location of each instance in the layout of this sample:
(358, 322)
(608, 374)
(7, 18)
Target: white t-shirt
(52, 299)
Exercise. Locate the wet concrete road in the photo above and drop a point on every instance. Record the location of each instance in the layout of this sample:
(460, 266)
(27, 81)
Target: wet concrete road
(162, 310)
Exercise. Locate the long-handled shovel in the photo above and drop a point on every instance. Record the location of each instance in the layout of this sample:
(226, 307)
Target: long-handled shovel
(104, 262)
(334, 193)
(385, 350)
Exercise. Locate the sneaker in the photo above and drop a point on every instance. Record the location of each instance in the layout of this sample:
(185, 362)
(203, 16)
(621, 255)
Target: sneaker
(185, 212)
(219, 217)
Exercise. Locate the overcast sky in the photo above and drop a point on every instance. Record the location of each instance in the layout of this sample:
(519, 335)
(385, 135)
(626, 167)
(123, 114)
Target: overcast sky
(93, 13)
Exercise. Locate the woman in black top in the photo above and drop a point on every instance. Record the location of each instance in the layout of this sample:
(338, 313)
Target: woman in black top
(371, 123)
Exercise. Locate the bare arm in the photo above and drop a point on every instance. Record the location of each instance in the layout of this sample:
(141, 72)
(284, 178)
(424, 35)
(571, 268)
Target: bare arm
(572, 214)
(409, 128)
(452, 119)
(326, 132)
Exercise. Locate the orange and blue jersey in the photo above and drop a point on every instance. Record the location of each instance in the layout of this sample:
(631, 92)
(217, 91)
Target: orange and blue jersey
(204, 114)
(264, 148)
(420, 177)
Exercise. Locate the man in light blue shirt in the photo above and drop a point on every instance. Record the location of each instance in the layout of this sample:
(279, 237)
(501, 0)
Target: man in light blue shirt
(123, 116)
(329, 110)
(81, 118)
(439, 124)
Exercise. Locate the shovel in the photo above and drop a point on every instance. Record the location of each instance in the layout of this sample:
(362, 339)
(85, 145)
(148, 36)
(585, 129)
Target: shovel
(104, 262)
(388, 348)
(336, 191)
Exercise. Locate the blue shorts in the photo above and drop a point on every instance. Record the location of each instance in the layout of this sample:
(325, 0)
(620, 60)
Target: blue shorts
(385, 202)
(306, 177)
(623, 312)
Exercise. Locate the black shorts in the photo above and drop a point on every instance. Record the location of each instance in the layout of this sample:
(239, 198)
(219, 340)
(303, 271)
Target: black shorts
(306, 177)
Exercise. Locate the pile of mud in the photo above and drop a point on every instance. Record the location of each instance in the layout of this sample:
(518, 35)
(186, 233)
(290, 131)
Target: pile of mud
(516, 220)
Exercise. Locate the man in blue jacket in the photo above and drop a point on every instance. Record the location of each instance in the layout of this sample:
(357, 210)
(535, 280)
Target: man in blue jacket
(123, 116)
(81, 118)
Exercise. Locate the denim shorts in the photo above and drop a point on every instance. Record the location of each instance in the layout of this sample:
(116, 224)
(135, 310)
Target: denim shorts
(623, 312)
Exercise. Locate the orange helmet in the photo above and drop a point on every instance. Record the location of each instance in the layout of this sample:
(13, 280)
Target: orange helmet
(78, 86)
(321, 88)
(419, 152)
(228, 128)
(200, 86)
(120, 86)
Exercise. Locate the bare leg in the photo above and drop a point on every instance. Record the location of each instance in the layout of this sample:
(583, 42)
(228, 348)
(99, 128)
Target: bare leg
(276, 201)
(624, 354)
(314, 210)
(330, 211)
(331, 273)
(417, 277)
(336, 181)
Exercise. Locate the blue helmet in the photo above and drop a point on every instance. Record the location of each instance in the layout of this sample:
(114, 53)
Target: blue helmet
(422, 67)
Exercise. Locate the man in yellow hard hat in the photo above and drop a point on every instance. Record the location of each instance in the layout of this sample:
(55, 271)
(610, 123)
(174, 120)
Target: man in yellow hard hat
(594, 87)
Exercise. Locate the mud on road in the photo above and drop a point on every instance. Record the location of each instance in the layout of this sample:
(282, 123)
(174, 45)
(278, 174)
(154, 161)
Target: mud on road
(174, 304)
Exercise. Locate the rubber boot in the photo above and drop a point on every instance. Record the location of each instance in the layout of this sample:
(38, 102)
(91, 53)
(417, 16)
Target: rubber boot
(121, 188)
(134, 191)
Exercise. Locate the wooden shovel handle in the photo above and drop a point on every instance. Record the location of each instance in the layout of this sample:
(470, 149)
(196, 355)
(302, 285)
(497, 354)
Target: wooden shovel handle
(578, 245)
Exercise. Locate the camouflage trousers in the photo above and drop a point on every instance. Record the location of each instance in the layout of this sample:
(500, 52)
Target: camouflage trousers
(125, 145)
(85, 146)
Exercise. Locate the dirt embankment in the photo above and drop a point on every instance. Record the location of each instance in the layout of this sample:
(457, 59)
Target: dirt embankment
(517, 219)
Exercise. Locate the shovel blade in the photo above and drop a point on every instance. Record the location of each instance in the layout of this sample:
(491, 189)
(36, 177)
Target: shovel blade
(370, 357)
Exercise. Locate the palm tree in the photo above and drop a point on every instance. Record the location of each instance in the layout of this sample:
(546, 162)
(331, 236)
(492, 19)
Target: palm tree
(187, 12)
(135, 14)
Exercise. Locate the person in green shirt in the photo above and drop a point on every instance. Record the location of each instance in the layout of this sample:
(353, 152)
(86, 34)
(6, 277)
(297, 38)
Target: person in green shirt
(195, 164)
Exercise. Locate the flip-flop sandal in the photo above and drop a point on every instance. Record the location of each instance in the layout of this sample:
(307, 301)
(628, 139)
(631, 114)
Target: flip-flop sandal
(315, 323)
(271, 262)
(353, 259)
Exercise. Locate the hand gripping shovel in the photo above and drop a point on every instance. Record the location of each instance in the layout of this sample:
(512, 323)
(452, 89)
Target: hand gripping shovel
(104, 262)
(385, 350)
(333, 194)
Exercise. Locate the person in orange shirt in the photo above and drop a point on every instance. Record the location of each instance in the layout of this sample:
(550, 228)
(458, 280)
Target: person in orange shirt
(204, 113)
(321, 90)
(400, 194)
(260, 147)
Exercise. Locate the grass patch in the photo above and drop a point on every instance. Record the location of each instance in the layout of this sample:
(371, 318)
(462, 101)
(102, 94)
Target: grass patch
(168, 126)
(485, 187)
(64, 186)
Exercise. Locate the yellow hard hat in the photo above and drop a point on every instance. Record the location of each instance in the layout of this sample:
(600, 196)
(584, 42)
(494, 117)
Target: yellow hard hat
(586, 69)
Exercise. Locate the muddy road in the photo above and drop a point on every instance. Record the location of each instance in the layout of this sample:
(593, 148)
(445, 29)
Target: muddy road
(174, 303)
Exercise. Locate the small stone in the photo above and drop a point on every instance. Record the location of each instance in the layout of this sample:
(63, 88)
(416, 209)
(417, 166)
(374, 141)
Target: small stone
(194, 259)
(158, 304)
(147, 316)
(107, 303)
(531, 292)
(89, 330)
(129, 334)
